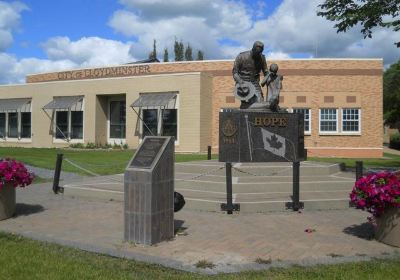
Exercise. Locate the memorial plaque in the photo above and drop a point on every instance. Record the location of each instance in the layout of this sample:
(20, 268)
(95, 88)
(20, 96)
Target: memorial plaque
(147, 152)
(249, 135)
(149, 192)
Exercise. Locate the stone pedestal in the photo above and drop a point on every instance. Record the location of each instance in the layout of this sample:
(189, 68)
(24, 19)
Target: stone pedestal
(149, 192)
(7, 201)
(388, 227)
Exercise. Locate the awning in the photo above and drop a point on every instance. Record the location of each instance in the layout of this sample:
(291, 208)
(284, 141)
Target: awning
(63, 102)
(22, 104)
(153, 99)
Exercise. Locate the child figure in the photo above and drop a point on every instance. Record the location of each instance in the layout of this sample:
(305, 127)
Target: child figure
(274, 86)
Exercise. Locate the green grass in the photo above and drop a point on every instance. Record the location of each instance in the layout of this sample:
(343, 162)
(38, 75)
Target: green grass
(389, 160)
(22, 258)
(103, 162)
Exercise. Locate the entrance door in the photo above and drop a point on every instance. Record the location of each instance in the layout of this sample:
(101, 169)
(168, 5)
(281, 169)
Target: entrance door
(117, 118)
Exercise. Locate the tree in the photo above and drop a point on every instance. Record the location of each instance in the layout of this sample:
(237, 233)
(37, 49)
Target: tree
(153, 54)
(369, 13)
(188, 53)
(178, 50)
(391, 95)
(166, 59)
(200, 55)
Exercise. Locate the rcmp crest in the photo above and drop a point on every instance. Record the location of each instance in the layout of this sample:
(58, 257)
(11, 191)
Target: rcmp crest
(229, 128)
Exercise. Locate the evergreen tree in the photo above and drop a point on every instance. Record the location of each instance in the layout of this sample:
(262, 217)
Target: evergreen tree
(200, 55)
(153, 54)
(188, 53)
(166, 59)
(178, 50)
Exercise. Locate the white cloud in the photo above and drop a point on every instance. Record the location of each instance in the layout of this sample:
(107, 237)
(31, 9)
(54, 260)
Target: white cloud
(88, 51)
(10, 16)
(221, 28)
(293, 28)
(65, 54)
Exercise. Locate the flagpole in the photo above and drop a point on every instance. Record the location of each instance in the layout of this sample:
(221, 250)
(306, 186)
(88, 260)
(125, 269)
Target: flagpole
(248, 137)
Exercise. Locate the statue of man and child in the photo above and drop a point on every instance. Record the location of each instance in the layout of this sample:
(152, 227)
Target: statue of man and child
(246, 73)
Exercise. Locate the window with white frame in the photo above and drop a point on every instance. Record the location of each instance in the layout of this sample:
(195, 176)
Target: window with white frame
(328, 119)
(69, 125)
(152, 125)
(15, 119)
(68, 119)
(160, 120)
(307, 118)
(350, 120)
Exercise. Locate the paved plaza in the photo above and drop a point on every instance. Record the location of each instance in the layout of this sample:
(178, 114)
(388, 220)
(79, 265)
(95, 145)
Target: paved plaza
(231, 242)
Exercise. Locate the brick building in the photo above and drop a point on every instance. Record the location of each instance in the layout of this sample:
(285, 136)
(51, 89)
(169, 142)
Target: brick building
(340, 98)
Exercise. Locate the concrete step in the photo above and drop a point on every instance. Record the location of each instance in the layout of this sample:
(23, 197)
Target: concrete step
(322, 186)
(259, 169)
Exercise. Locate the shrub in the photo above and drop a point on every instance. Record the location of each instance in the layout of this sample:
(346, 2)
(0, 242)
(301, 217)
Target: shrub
(395, 141)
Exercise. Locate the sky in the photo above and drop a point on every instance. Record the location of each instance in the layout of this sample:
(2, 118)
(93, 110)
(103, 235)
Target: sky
(39, 36)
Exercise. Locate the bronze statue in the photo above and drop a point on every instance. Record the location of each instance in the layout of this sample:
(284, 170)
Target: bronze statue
(273, 81)
(246, 73)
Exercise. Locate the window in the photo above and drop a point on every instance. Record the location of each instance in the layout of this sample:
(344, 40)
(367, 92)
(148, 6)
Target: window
(3, 125)
(168, 126)
(307, 118)
(328, 120)
(117, 119)
(350, 120)
(76, 124)
(150, 122)
(26, 125)
(12, 125)
(69, 125)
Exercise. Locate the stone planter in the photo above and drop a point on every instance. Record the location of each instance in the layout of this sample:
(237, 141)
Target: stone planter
(388, 227)
(7, 202)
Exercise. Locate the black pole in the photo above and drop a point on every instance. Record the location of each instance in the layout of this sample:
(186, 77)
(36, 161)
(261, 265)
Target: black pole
(229, 204)
(359, 169)
(209, 152)
(57, 172)
(296, 186)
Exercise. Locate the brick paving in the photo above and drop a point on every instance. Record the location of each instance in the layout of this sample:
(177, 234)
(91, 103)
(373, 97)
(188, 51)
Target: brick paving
(231, 242)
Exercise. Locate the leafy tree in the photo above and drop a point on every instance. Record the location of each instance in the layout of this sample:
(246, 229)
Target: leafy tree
(166, 59)
(391, 95)
(188, 53)
(153, 54)
(369, 13)
(200, 55)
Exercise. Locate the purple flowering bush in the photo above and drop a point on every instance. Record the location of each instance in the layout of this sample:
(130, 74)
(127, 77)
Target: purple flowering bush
(15, 173)
(376, 192)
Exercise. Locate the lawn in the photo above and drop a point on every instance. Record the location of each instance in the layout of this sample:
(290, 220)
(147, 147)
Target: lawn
(23, 258)
(101, 162)
(388, 160)
(105, 162)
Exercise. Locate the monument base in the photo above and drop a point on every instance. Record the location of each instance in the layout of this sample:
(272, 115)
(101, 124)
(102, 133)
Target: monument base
(260, 135)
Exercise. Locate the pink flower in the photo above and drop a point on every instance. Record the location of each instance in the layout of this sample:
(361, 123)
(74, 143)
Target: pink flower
(376, 192)
(14, 173)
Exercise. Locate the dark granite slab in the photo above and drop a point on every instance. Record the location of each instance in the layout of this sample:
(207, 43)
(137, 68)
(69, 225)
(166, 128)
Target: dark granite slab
(247, 135)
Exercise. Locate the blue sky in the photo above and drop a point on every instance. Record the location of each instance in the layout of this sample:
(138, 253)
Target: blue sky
(48, 35)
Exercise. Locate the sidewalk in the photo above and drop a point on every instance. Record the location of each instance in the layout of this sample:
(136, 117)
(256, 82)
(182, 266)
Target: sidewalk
(391, 151)
(231, 242)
